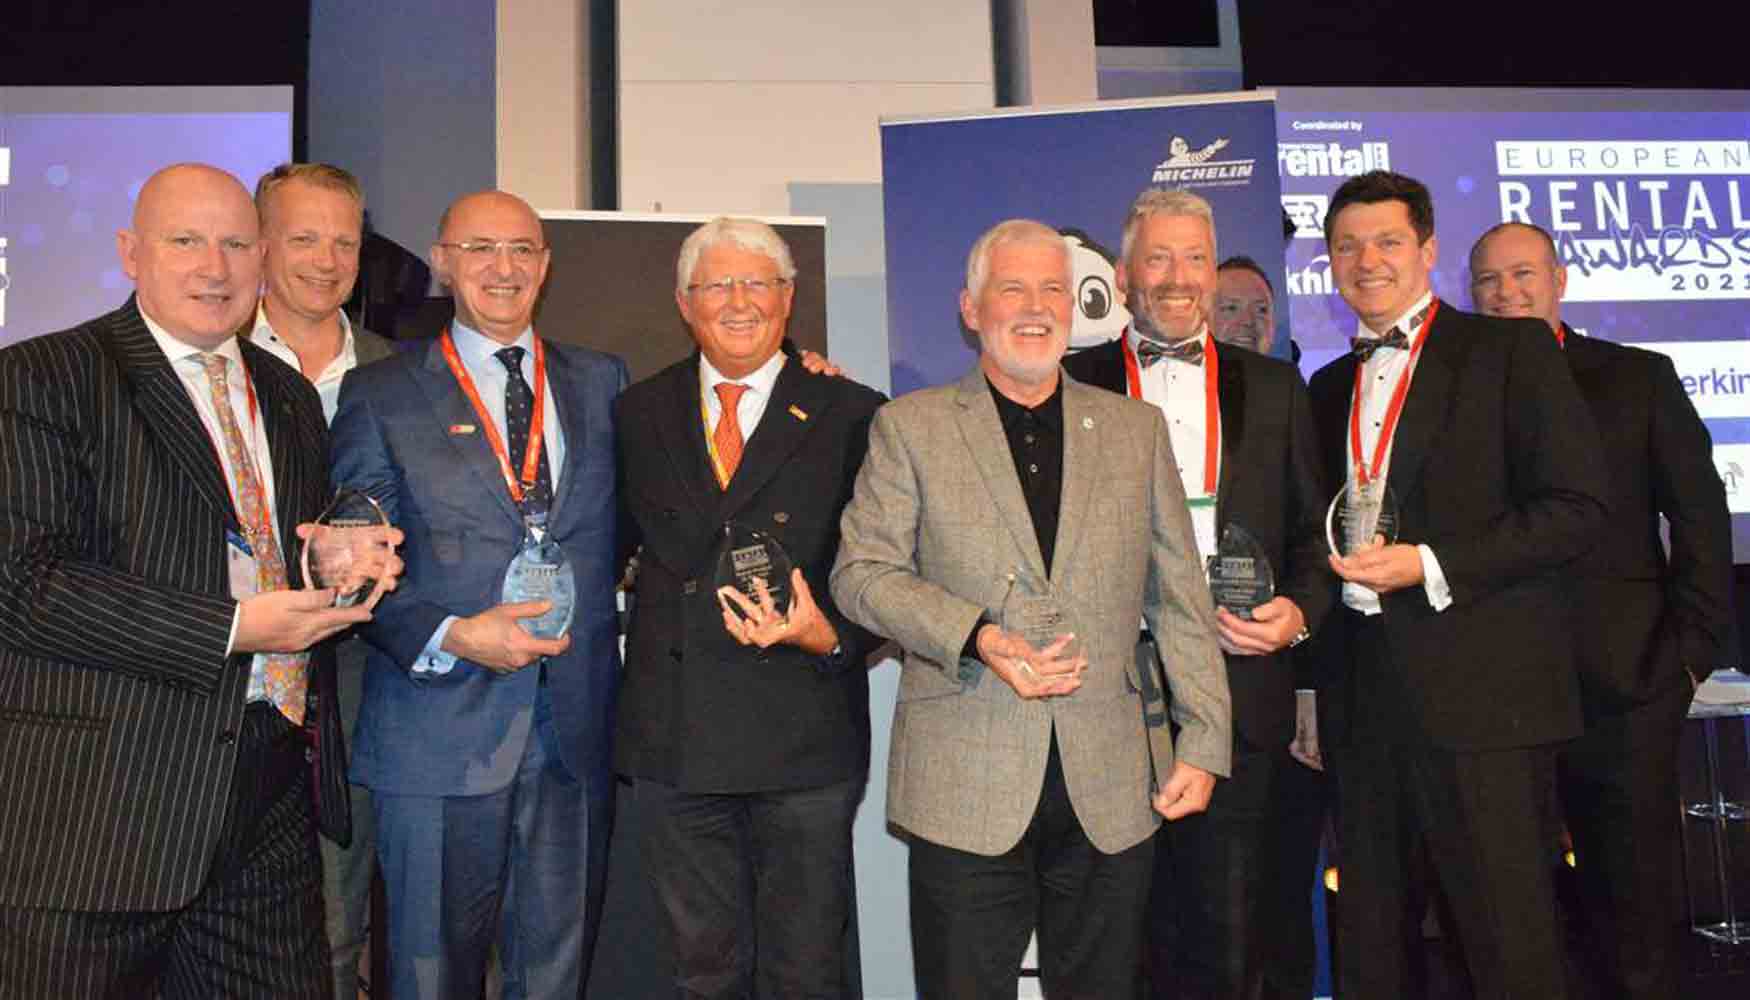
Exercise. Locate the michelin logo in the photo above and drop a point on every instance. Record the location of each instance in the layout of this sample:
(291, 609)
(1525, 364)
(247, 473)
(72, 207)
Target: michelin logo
(1331, 159)
(1188, 168)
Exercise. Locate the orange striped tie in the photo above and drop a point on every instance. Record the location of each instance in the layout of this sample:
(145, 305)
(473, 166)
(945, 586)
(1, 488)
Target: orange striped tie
(727, 436)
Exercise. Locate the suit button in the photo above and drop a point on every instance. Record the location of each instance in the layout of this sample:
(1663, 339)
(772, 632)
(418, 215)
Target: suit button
(690, 587)
(227, 737)
(674, 652)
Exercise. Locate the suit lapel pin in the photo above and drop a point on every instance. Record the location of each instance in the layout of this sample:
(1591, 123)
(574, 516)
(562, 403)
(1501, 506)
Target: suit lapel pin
(781, 518)
(798, 412)
(461, 428)
(1087, 423)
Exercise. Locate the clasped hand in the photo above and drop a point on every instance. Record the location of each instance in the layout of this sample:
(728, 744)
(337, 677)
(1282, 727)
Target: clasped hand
(1032, 673)
(1379, 567)
(757, 622)
(291, 621)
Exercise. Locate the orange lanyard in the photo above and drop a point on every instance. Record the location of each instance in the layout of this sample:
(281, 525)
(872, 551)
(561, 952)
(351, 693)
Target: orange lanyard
(1393, 410)
(1211, 404)
(537, 421)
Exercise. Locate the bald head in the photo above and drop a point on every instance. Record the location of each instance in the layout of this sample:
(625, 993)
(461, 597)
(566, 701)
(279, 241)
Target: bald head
(194, 253)
(493, 255)
(1514, 272)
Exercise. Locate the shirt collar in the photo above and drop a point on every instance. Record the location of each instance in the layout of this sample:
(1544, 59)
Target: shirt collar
(761, 380)
(478, 351)
(262, 335)
(1049, 413)
(1364, 333)
(178, 350)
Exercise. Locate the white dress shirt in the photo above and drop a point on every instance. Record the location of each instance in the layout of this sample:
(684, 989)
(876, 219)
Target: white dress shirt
(1179, 390)
(478, 355)
(1379, 378)
(328, 382)
(752, 405)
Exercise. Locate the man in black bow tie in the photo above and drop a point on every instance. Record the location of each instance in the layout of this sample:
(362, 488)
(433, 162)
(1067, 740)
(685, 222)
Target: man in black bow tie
(1242, 435)
(1455, 641)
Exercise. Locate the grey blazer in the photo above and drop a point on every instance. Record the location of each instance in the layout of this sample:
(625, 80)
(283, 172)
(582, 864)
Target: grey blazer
(938, 532)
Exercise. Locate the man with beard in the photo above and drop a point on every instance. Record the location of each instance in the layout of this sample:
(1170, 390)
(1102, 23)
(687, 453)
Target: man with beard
(1459, 642)
(1009, 531)
(1242, 432)
(1648, 622)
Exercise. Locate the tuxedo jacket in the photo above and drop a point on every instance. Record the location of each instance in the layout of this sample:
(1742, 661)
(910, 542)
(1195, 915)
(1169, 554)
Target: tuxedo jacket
(1644, 617)
(119, 710)
(938, 534)
(698, 710)
(1272, 484)
(405, 434)
(1496, 467)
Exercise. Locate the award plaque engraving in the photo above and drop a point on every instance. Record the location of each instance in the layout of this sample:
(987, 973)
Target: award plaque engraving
(1240, 576)
(748, 555)
(345, 552)
(540, 572)
(1360, 514)
(1041, 620)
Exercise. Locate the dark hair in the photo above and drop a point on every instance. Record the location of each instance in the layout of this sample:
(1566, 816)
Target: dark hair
(1240, 262)
(1376, 186)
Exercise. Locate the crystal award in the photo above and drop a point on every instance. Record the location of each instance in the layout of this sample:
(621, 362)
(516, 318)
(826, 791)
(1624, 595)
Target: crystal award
(540, 572)
(1360, 515)
(1240, 577)
(347, 549)
(749, 555)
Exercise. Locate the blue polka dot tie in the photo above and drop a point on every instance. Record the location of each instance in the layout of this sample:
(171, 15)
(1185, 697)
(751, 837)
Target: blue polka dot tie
(519, 410)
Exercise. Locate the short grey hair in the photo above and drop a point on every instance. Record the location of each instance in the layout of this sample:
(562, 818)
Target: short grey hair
(1165, 201)
(748, 234)
(1006, 232)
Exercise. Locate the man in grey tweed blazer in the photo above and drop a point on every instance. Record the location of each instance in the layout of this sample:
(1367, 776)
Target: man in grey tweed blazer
(1021, 505)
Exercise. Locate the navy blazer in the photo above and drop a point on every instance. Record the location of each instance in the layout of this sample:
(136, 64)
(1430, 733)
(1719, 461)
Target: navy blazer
(399, 434)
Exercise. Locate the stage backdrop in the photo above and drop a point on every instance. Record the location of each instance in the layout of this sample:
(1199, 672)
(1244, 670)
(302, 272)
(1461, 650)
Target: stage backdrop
(72, 160)
(1647, 195)
(612, 284)
(946, 179)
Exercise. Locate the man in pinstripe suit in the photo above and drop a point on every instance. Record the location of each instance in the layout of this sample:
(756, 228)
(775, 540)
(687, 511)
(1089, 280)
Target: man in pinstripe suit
(157, 784)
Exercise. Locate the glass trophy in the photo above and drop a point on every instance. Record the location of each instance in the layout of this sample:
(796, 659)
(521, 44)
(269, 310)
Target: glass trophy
(748, 555)
(347, 549)
(1240, 577)
(1039, 620)
(540, 572)
(1359, 515)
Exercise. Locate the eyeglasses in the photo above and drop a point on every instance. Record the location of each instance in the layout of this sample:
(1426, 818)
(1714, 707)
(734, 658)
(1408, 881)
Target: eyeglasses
(721, 289)
(480, 251)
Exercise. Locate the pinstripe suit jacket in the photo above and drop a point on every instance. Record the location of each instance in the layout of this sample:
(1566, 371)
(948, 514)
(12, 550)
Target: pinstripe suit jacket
(118, 706)
(938, 532)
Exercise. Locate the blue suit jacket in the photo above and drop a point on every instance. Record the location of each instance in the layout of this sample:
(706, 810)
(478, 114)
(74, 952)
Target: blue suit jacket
(398, 435)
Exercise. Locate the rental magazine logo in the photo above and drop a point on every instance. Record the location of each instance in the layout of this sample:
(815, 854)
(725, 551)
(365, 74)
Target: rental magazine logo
(1331, 159)
(1185, 167)
(1636, 219)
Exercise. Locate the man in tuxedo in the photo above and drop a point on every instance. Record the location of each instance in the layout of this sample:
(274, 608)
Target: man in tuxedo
(312, 225)
(485, 747)
(1648, 622)
(1010, 531)
(1457, 639)
(744, 721)
(165, 700)
(1242, 434)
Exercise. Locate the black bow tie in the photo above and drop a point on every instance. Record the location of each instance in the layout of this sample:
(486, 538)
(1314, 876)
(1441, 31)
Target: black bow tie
(1363, 347)
(1189, 350)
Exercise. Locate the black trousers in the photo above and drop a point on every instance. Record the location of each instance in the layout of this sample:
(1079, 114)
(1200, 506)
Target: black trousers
(971, 915)
(254, 930)
(1299, 801)
(1205, 936)
(1618, 787)
(757, 887)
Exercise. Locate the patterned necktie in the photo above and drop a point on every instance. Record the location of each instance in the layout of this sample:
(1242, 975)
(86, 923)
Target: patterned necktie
(1189, 350)
(277, 677)
(519, 410)
(727, 436)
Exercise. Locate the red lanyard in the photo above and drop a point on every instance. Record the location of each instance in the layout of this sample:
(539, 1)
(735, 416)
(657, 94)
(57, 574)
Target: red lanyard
(537, 421)
(1393, 410)
(1211, 403)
